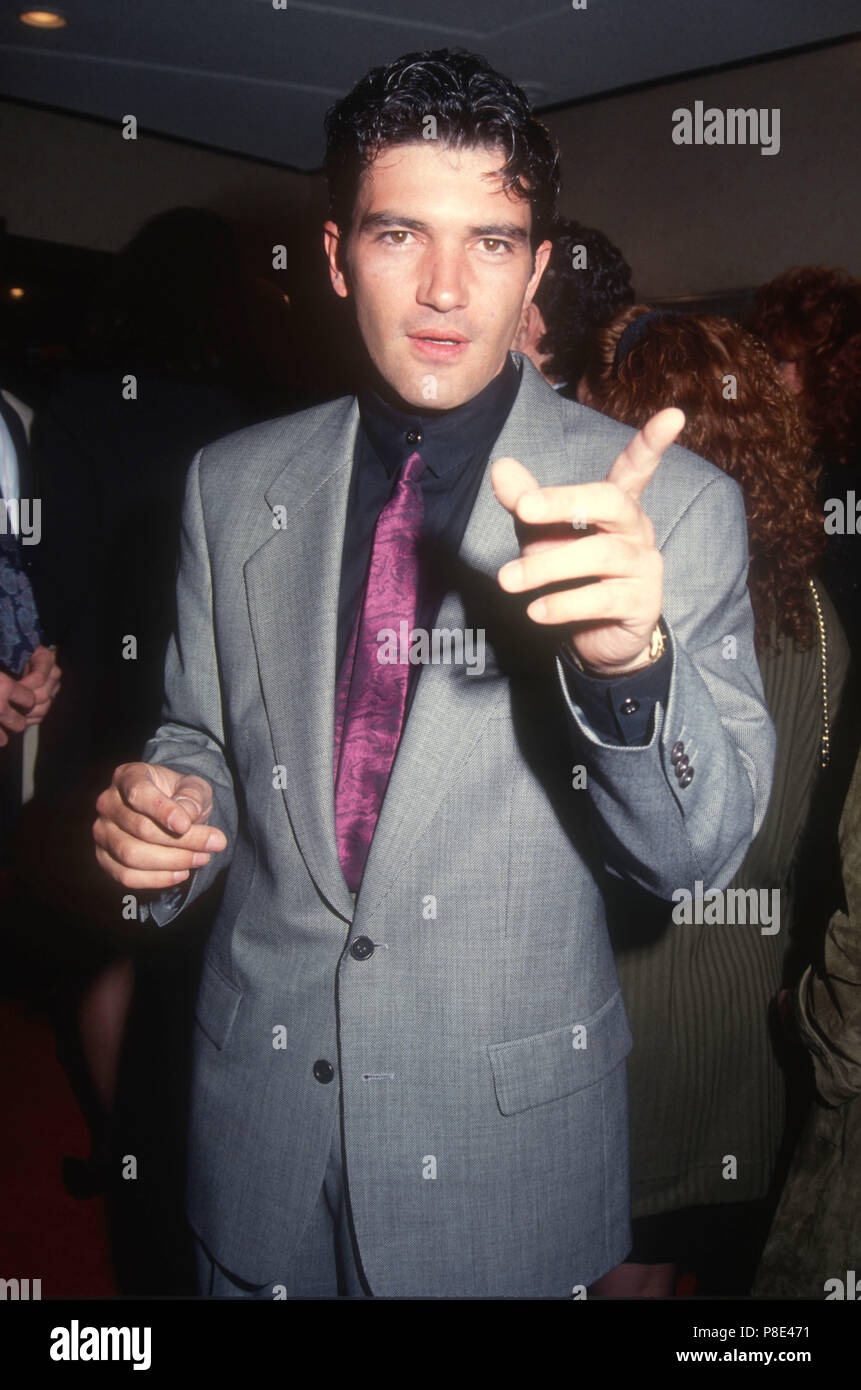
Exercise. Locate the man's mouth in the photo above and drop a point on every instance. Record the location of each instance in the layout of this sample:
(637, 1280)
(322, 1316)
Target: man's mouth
(440, 337)
(439, 347)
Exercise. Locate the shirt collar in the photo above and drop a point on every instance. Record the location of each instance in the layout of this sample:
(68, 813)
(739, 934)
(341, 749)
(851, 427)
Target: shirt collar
(446, 441)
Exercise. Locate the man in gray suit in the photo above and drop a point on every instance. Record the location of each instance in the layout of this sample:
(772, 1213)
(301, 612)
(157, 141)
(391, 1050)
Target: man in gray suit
(409, 1067)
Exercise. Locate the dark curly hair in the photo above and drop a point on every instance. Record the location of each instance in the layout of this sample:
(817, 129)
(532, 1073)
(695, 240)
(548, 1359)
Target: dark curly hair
(758, 437)
(812, 316)
(574, 303)
(473, 106)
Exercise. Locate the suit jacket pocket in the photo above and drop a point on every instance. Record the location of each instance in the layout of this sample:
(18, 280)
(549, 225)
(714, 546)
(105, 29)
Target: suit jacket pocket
(217, 1002)
(546, 1066)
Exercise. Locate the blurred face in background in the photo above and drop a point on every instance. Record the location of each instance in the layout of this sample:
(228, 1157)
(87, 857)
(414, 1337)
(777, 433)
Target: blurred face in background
(439, 264)
(791, 373)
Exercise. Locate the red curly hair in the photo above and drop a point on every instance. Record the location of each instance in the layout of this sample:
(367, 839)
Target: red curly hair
(812, 316)
(758, 437)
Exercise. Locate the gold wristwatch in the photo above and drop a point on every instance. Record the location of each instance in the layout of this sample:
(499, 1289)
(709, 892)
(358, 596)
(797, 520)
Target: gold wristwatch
(657, 647)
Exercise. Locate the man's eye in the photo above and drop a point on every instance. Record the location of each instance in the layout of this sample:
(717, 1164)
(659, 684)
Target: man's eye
(395, 233)
(492, 242)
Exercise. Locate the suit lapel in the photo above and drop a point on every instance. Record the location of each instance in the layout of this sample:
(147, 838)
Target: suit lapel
(451, 708)
(292, 584)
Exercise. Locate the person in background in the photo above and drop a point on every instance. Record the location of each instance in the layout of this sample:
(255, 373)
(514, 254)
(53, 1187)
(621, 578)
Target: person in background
(164, 364)
(29, 673)
(159, 370)
(705, 1081)
(815, 1239)
(586, 282)
(810, 319)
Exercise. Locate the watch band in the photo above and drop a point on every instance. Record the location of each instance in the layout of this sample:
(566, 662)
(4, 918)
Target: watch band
(657, 647)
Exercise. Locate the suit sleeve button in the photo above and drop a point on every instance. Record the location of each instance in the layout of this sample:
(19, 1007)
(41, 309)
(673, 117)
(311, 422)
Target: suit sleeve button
(323, 1071)
(687, 777)
(678, 750)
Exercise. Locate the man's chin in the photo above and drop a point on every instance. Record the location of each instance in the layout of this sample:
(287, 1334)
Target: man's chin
(431, 390)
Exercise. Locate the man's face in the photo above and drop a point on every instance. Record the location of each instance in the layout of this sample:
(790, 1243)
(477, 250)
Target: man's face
(439, 265)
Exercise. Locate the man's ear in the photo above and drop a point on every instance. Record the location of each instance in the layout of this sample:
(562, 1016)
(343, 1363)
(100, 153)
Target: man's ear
(542, 256)
(530, 330)
(335, 255)
(523, 338)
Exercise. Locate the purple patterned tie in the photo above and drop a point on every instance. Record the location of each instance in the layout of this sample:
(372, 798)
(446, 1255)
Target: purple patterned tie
(371, 695)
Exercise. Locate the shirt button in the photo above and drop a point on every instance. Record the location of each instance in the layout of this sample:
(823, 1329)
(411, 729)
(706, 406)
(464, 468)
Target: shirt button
(678, 750)
(629, 706)
(323, 1071)
(414, 436)
(687, 777)
(361, 948)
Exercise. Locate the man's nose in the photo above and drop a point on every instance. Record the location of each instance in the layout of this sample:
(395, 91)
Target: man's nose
(443, 280)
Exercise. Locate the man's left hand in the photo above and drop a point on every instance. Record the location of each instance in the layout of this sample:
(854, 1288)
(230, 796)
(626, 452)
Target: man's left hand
(611, 621)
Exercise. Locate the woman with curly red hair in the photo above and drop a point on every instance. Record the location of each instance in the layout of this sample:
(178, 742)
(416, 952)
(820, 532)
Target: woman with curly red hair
(810, 319)
(707, 1103)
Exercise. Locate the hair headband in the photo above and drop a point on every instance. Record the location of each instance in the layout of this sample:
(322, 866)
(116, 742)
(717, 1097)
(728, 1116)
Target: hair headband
(636, 330)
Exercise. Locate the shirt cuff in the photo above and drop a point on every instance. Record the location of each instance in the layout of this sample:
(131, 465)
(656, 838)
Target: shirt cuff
(620, 711)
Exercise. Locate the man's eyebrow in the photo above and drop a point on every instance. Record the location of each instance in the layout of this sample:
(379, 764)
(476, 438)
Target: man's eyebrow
(510, 230)
(391, 219)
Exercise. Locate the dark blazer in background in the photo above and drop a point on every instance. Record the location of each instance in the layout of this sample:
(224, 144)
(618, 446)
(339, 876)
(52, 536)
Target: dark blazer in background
(111, 474)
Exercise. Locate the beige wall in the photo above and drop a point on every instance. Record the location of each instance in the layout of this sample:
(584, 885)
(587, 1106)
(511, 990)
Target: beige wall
(78, 181)
(696, 218)
(689, 219)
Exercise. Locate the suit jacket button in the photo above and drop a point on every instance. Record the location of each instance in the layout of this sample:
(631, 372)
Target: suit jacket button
(687, 777)
(678, 750)
(323, 1071)
(630, 705)
(361, 948)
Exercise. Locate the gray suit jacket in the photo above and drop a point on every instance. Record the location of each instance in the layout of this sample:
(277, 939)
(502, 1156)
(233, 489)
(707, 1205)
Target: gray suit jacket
(478, 1052)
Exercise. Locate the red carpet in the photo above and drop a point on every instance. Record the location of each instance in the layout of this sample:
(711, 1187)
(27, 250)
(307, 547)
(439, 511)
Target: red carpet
(44, 1233)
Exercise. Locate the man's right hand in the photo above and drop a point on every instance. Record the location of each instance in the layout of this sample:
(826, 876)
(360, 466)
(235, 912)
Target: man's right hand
(151, 828)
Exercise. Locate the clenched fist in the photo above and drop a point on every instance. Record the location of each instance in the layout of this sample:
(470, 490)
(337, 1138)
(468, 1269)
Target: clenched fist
(26, 701)
(41, 675)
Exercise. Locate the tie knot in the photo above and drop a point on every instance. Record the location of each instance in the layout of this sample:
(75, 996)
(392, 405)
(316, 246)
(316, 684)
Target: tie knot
(412, 469)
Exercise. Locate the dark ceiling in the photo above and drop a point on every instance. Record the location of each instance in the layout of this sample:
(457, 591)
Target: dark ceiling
(245, 76)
